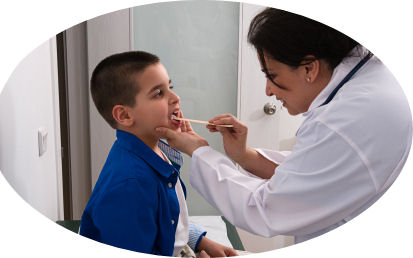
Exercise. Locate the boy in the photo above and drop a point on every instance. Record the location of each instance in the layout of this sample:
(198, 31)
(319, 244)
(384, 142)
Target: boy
(138, 202)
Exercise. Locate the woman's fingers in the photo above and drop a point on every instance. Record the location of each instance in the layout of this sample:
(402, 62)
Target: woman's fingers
(224, 119)
(186, 142)
(223, 115)
(212, 128)
(220, 117)
(185, 125)
(238, 127)
(227, 119)
(226, 131)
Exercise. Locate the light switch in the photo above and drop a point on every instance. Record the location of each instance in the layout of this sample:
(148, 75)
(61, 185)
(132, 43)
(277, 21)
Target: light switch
(42, 138)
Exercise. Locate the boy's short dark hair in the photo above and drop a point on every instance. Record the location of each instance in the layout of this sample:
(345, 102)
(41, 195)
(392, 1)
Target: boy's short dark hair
(113, 81)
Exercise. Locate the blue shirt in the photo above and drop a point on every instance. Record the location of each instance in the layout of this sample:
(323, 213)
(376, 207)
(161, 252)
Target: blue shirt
(134, 204)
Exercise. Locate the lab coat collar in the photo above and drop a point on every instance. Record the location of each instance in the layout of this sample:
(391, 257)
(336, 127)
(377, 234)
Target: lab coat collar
(136, 146)
(341, 70)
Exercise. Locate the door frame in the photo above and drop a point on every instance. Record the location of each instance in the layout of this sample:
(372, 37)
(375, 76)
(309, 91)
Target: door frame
(247, 82)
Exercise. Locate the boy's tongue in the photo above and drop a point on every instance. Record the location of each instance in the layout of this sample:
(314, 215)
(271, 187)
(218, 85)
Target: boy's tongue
(173, 121)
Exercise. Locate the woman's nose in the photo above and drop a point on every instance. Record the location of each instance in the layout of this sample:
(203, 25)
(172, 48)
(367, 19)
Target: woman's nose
(268, 87)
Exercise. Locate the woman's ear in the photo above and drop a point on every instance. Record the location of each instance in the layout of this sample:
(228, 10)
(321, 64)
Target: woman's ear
(312, 68)
(122, 115)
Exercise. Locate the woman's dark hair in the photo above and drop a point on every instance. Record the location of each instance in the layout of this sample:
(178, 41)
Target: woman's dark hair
(289, 37)
(113, 81)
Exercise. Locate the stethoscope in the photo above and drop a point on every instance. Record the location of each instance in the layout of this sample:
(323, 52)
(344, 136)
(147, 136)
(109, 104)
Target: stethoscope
(348, 77)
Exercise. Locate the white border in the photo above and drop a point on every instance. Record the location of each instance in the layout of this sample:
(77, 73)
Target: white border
(383, 230)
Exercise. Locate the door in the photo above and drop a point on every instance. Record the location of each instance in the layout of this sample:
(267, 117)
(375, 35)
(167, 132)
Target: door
(270, 131)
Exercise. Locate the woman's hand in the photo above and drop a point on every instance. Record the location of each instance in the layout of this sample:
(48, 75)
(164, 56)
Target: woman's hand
(186, 141)
(234, 138)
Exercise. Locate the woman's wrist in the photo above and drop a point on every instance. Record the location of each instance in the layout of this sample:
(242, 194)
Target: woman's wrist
(200, 143)
(243, 160)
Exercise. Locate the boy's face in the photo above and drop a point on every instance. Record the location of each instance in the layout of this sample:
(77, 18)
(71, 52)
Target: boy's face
(155, 103)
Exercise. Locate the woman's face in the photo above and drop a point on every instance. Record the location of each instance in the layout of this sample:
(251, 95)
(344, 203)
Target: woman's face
(293, 89)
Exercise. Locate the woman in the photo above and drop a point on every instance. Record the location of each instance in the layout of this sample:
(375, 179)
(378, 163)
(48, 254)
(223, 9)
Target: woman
(350, 148)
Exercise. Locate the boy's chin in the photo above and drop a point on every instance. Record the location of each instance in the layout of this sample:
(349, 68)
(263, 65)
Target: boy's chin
(175, 128)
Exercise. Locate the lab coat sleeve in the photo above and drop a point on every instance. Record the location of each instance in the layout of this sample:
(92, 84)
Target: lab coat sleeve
(322, 182)
(276, 156)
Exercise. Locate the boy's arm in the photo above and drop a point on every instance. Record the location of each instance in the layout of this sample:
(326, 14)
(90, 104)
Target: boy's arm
(126, 217)
(198, 242)
(214, 249)
(196, 232)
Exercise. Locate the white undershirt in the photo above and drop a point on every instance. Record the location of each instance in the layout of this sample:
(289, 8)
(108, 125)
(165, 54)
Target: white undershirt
(182, 229)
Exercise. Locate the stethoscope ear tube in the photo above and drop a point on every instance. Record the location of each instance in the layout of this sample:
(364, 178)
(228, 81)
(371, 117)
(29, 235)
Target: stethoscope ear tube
(348, 77)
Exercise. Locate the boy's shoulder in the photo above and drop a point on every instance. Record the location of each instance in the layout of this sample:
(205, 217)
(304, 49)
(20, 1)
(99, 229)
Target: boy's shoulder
(128, 165)
(129, 158)
(124, 173)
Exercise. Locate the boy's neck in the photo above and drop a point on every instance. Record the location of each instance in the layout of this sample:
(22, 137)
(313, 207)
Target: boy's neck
(151, 142)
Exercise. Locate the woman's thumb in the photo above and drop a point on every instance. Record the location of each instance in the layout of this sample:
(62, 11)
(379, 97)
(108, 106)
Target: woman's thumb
(223, 130)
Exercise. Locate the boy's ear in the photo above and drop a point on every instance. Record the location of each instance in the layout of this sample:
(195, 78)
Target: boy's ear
(122, 115)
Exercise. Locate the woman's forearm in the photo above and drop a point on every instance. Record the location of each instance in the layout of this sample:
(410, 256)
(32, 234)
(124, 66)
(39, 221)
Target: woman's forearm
(257, 164)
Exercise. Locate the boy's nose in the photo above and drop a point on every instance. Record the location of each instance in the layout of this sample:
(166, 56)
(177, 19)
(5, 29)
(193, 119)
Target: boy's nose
(174, 98)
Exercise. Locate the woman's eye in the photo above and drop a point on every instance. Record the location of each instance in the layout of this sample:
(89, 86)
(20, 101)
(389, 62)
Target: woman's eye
(171, 87)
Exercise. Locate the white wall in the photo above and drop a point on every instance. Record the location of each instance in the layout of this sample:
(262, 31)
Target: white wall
(106, 35)
(27, 102)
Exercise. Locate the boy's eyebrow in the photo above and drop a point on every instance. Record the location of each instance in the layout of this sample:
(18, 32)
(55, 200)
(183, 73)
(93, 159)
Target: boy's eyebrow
(157, 87)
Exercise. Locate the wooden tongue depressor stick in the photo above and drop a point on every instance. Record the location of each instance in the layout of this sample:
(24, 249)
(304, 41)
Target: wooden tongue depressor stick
(198, 121)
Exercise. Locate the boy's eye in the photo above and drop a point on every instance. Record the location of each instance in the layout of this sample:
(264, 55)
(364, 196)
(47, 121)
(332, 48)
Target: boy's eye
(158, 93)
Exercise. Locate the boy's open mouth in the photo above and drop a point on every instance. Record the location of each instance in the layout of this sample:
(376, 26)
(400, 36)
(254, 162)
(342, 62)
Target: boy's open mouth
(172, 118)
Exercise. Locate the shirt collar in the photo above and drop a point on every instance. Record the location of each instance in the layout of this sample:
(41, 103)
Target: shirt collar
(341, 70)
(136, 146)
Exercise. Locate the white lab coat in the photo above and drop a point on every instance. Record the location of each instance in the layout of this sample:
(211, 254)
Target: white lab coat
(347, 155)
